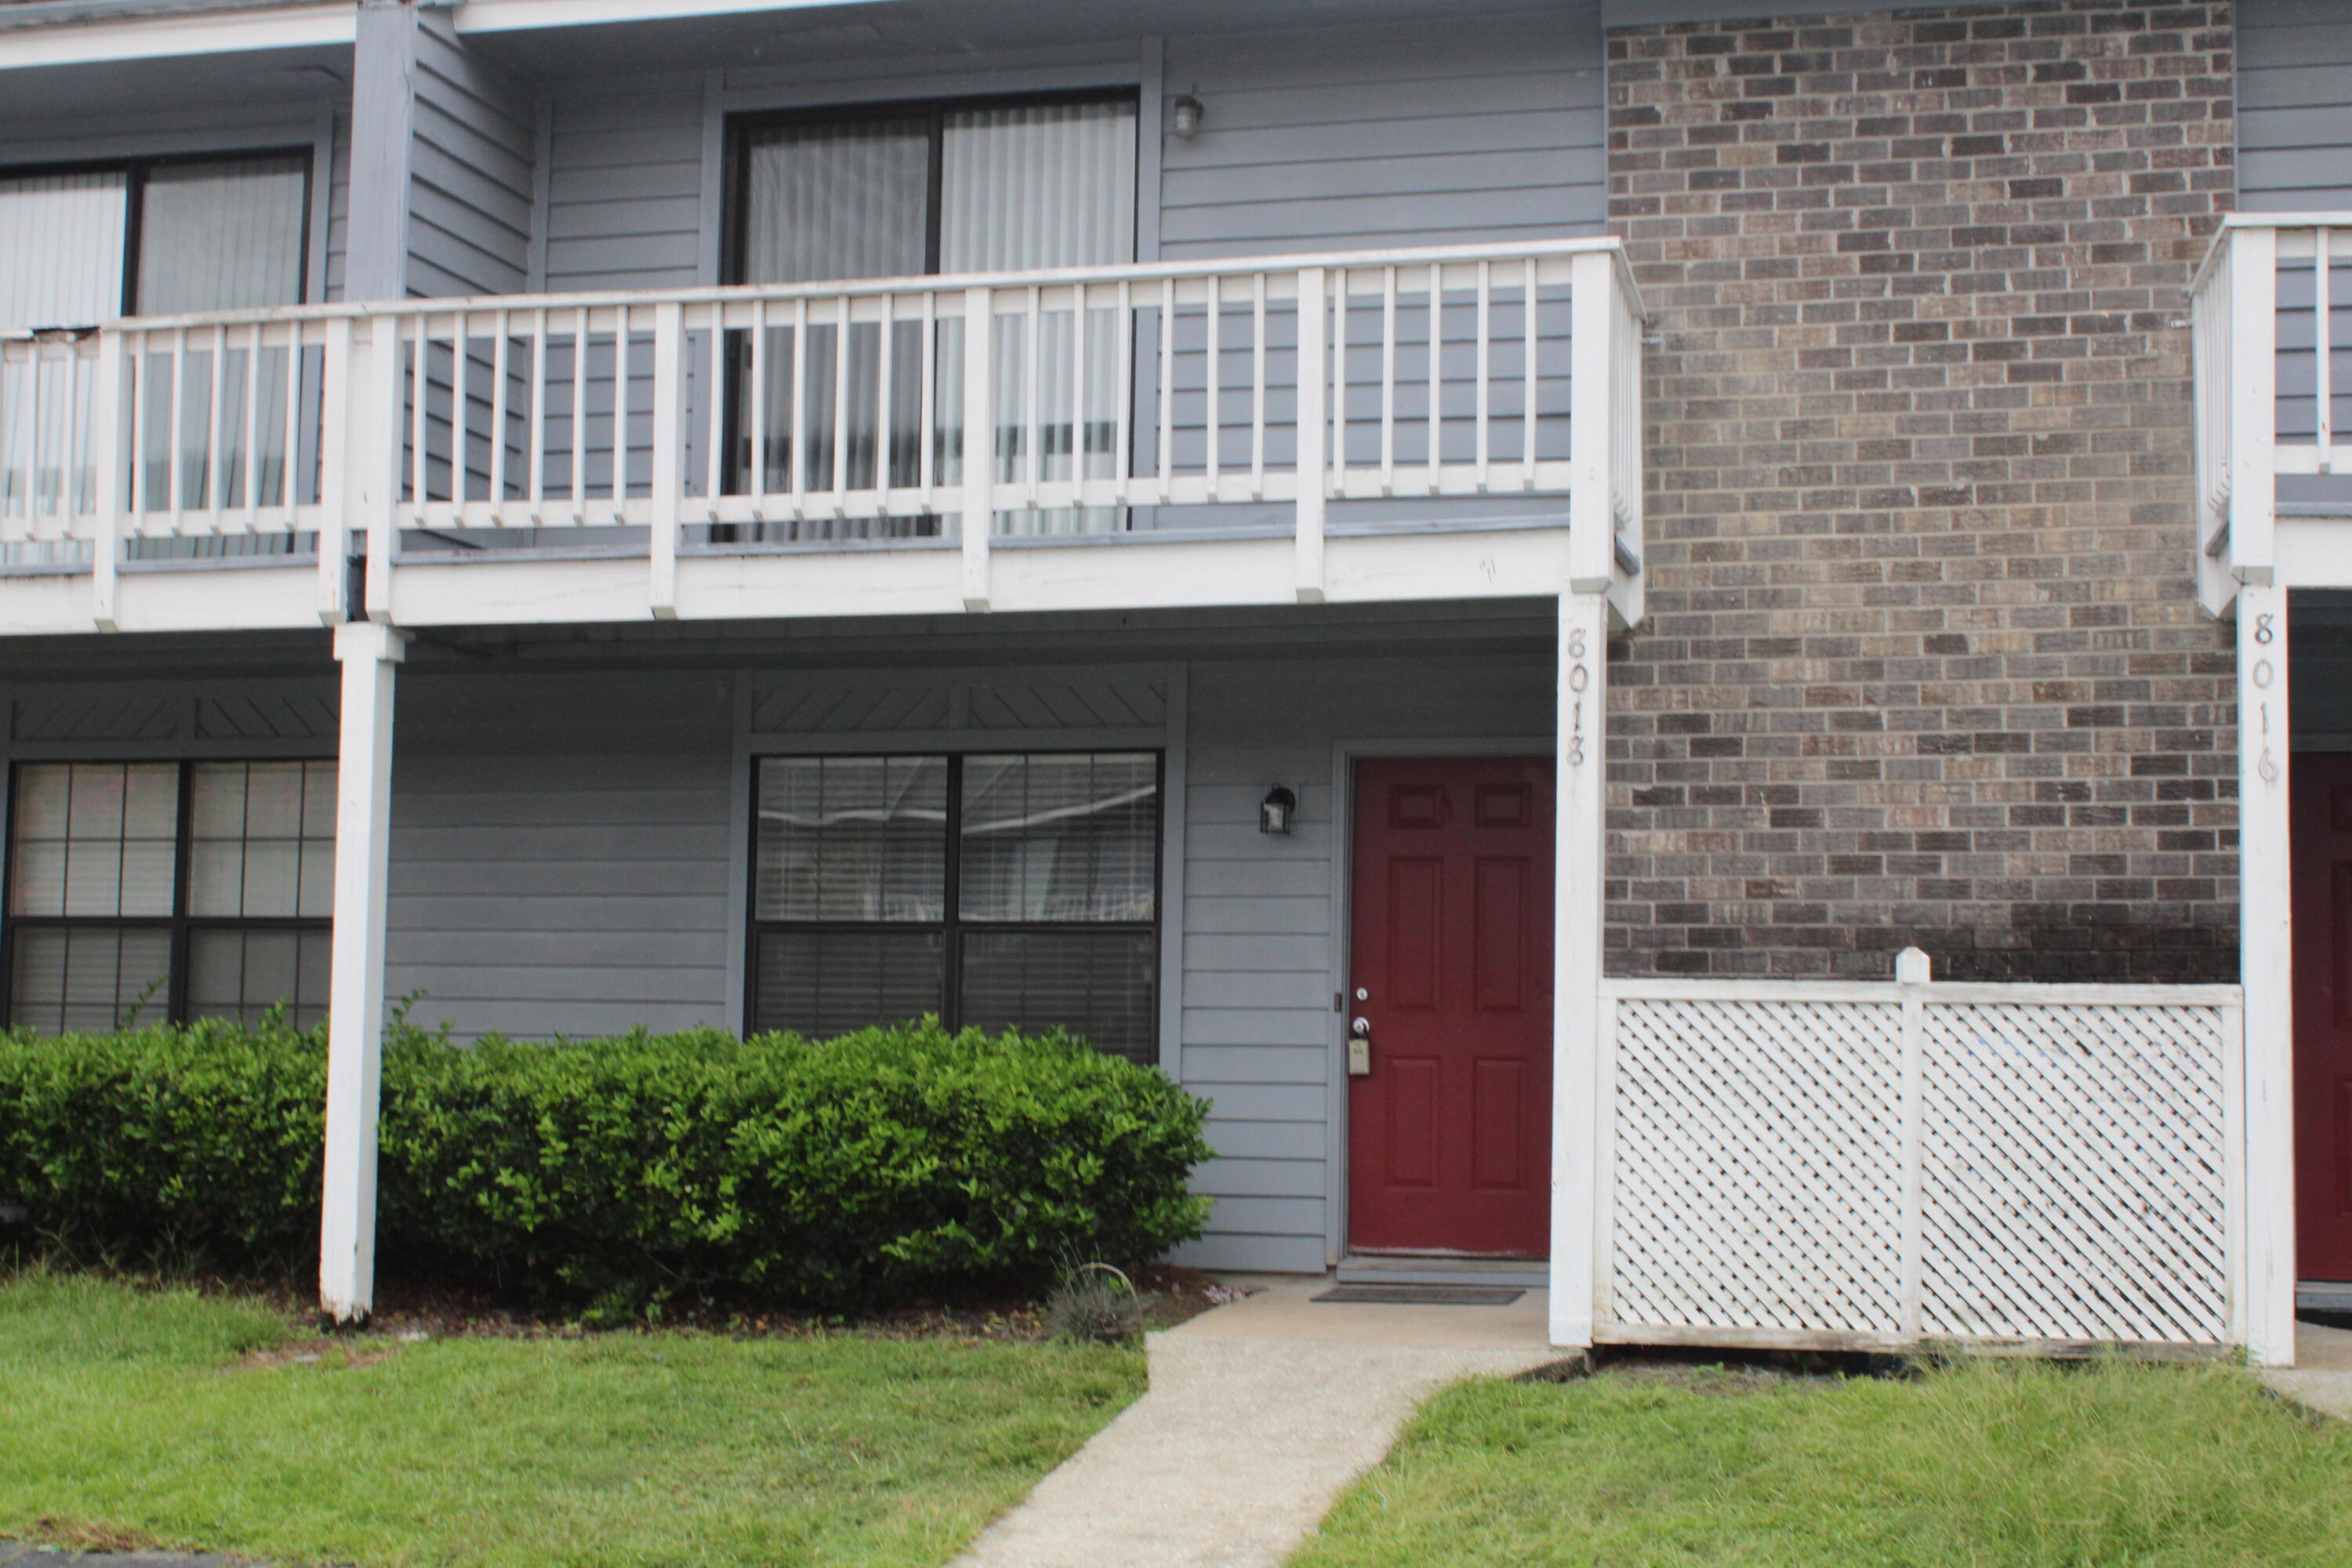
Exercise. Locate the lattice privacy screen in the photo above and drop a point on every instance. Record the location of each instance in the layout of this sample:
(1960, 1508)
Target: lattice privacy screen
(1921, 1168)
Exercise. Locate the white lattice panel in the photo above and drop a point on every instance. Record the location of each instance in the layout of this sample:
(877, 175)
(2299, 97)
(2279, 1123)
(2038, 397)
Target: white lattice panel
(2073, 1173)
(1757, 1165)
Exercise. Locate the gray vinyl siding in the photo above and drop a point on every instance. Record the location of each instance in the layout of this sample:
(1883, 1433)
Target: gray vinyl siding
(338, 185)
(2295, 105)
(1377, 136)
(471, 171)
(625, 186)
(559, 852)
(1263, 934)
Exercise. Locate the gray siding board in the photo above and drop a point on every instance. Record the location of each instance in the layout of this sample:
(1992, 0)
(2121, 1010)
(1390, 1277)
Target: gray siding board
(471, 162)
(2295, 105)
(1243, 1177)
(1237, 1139)
(1262, 1061)
(1379, 135)
(1255, 1254)
(561, 852)
(1299, 1106)
(624, 192)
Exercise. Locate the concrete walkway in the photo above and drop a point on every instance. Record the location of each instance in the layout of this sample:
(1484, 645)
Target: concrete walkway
(2322, 1375)
(1258, 1414)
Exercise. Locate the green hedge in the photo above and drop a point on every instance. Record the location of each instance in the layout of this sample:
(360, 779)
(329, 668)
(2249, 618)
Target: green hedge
(884, 1164)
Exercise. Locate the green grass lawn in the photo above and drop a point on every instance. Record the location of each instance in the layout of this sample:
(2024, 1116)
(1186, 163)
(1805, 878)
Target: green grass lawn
(1986, 1464)
(186, 1420)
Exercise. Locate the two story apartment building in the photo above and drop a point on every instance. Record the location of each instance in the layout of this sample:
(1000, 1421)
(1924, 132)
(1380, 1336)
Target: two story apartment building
(1461, 577)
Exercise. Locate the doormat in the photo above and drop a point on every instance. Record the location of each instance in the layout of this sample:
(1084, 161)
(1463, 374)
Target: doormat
(1424, 1295)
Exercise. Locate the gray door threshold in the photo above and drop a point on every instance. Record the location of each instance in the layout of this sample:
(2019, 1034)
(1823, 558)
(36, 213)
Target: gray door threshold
(2323, 1296)
(1373, 1269)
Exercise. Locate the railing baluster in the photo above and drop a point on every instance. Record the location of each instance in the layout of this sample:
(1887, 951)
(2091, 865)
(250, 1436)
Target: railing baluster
(419, 382)
(175, 474)
(114, 439)
(1436, 369)
(842, 424)
(250, 490)
(796, 450)
(1527, 410)
(1123, 391)
(1388, 380)
(1213, 381)
(213, 489)
(461, 354)
(889, 353)
(1257, 386)
(979, 417)
(667, 472)
(538, 480)
(289, 463)
(927, 378)
(620, 411)
(1167, 389)
(1314, 381)
(2321, 347)
(498, 416)
(1479, 365)
(756, 480)
(714, 418)
(579, 416)
(1078, 390)
(1032, 362)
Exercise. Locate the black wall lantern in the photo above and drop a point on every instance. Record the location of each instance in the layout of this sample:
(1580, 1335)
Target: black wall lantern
(1276, 811)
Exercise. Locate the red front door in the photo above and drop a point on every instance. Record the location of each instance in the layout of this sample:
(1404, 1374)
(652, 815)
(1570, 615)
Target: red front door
(2322, 857)
(1449, 1139)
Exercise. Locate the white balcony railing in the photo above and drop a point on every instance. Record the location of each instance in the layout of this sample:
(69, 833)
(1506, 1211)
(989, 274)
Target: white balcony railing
(1118, 399)
(2272, 310)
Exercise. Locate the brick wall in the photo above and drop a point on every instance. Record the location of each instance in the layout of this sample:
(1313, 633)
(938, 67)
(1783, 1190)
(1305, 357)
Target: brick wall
(1923, 662)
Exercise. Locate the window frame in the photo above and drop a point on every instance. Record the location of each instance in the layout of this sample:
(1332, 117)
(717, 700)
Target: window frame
(135, 171)
(951, 925)
(742, 126)
(180, 925)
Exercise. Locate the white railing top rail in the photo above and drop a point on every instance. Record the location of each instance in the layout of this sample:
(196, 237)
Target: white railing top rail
(1956, 992)
(920, 283)
(2232, 222)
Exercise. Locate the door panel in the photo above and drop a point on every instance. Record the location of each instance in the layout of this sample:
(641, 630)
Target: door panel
(2322, 858)
(1450, 1133)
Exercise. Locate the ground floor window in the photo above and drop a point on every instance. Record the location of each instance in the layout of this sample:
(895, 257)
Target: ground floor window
(993, 889)
(142, 891)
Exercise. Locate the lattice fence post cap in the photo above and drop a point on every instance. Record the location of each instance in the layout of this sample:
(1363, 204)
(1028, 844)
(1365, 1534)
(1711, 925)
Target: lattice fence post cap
(1912, 967)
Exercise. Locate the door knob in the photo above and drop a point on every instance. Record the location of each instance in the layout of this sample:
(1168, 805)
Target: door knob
(1362, 1028)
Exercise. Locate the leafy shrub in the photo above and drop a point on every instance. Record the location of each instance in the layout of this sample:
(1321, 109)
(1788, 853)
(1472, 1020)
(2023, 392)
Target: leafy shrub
(884, 1164)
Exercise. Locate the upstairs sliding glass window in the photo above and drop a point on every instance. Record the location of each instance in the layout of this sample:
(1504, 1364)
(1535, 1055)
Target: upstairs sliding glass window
(908, 190)
(154, 237)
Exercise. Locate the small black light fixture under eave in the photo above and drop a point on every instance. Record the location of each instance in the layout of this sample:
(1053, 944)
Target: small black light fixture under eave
(1185, 117)
(1276, 811)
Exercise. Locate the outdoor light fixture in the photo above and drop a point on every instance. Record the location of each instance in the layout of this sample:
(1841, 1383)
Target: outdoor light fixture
(1276, 810)
(1187, 123)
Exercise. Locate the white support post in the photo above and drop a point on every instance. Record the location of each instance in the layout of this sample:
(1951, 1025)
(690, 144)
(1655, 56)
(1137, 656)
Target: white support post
(669, 467)
(336, 430)
(368, 653)
(1578, 1282)
(109, 449)
(1592, 409)
(375, 457)
(978, 442)
(1314, 377)
(2266, 970)
(2254, 403)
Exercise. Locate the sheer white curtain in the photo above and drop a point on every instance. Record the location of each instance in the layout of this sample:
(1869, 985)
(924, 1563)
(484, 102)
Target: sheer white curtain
(1039, 186)
(61, 239)
(220, 235)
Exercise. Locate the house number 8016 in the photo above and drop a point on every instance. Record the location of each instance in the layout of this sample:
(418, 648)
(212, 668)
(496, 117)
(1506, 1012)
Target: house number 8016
(1579, 677)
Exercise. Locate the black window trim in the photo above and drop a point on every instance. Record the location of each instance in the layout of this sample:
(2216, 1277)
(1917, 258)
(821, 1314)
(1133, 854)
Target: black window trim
(742, 126)
(180, 925)
(135, 171)
(951, 925)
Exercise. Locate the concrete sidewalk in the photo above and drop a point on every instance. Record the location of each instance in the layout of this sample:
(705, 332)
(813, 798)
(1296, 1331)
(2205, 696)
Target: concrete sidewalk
(2322, 1375)
(1258, 1414)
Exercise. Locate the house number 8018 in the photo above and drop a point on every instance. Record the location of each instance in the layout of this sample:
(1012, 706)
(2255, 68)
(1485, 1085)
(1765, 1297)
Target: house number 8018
(1579, 678)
